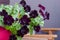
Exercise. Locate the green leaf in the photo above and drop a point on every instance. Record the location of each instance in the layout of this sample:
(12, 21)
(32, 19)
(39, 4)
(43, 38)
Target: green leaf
(15, 11)
(14, 27)
(30, 29)
(1, 7)
(17, 25)
(21, 12)
(8, 8)
(1, 21)
(19, 38)
(37, 21)
(42, 23)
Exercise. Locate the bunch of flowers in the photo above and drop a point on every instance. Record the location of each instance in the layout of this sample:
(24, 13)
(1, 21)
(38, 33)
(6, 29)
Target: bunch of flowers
(18, 20)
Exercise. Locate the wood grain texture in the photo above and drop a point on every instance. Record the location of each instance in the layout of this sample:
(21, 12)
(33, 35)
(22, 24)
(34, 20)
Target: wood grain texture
(41, 36)
(52, 29)
(49, 36)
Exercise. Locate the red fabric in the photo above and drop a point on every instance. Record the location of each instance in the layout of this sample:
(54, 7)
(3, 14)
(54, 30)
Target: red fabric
(4, 34)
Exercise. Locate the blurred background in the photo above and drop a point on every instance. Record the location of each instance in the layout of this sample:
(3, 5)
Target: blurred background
(52, 6)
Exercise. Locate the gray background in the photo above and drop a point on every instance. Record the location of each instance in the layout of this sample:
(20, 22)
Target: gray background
(4, 2)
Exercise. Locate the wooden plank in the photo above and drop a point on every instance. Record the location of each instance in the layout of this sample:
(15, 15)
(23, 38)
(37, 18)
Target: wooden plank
(52, 29)
(34, 39)
(49, 36)
(41, 36)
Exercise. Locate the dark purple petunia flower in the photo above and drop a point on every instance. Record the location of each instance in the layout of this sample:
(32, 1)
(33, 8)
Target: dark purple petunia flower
(0, 13)
(33, 13)
(27, 8)
(3, 13)
(12, 37)
(23, 3)
(24, 20)
(8, 20)
(41, 6)
(37, 28)
(24, 30)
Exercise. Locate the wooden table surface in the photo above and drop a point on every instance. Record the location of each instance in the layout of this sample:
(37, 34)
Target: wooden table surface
(41, 36)
(49, 36)
(53, 29)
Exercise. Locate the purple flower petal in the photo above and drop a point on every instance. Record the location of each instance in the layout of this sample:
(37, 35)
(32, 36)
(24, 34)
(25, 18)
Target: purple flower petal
(41, 12)
(47, 15)
(41, 6)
